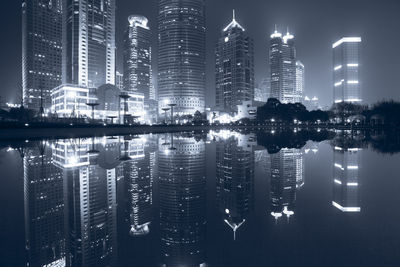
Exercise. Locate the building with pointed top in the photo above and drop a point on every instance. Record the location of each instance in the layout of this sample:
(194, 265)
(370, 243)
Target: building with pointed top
(282, 56)
(234, 68)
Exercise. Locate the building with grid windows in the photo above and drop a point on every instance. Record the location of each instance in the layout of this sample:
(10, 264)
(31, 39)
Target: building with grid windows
(41, 51)
(346, 70)
(181, 55)
(234, 68)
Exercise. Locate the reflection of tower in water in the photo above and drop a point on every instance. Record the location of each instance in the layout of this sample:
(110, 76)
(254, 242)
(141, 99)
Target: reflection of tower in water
(137, 170)
(90, 199)
(346, 178)
(182, 189)
(44, 208)
(235, 180)
(287, 174)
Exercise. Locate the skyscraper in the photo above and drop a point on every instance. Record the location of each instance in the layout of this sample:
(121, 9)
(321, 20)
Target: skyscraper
(41, 51)
(137, 56)
(346, 73)
(300, 81)
(234, 68)
(282, 56)
(89, 42)
(182, 55)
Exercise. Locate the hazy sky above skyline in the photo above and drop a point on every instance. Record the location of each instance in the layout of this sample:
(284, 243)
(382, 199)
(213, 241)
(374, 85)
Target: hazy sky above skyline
(316, 24)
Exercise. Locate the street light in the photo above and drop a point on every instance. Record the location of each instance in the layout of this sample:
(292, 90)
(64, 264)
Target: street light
(165, 111)
(172, 112)
(93, 106)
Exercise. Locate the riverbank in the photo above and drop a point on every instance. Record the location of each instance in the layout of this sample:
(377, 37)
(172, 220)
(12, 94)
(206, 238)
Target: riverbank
(85, 130)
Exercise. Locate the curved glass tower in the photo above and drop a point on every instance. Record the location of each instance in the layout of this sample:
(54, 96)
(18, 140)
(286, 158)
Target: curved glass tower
(181, 55)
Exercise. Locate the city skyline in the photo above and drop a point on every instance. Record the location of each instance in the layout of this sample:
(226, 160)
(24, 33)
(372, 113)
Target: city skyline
(353, 22)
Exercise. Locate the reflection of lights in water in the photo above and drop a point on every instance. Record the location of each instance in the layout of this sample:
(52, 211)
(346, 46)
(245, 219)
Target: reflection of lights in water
(277, 215)
(287, 212)
(346, 209)
(227, 211)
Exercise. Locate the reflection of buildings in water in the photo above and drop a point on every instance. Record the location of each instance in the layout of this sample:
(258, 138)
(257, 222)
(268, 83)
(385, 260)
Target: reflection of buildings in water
(138, 173)
(89, 168)
(346, 179)
(235, 180)
(44, 208)
(287, 174)
(182, 189)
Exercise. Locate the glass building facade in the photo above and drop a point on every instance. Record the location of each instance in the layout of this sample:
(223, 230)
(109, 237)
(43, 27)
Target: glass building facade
(234, 68)
(41, 51)
(300, 82)
(89, 42)
(137, 56)
(282, 56)
(346, 70)
(182, 55)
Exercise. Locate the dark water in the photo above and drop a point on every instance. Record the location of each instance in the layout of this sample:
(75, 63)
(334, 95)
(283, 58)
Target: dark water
(210, 199)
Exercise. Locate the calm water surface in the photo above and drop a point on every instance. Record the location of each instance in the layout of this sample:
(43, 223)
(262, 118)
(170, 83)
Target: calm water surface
(210, 199)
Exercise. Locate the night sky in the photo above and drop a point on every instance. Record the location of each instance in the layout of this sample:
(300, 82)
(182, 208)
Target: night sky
(316, 24)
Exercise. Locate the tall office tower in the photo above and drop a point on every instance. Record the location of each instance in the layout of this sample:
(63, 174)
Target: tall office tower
(44, 208)
(235, 180)
(181, 55)
(90, 199)
(41, 51)
(182, 189)
(119, 80)
(137, 56)
(346, 178)
(346, 70)
(287, 174)
(300, 82)
(282, 56)
(234, 68)
(89, 42)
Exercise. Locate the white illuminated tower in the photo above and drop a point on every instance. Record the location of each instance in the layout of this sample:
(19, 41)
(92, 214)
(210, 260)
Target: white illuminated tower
(283, 67)
(89, 42)
(346, 70)
(137, 56)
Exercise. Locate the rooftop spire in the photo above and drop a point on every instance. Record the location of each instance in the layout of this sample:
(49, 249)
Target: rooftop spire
(234, 23)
